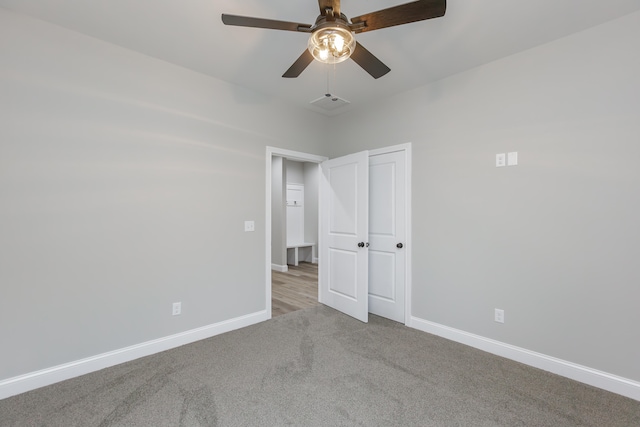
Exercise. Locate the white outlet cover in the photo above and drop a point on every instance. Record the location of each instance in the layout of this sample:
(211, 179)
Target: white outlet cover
(512, 158)
(249, 226)
(177, 308)
(499, 315)
(501, 160)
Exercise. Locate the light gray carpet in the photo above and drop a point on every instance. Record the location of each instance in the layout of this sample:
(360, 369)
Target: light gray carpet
(318, 367)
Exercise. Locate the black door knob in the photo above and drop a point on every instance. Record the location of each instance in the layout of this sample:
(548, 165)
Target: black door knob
(361, 245)
(399, 245)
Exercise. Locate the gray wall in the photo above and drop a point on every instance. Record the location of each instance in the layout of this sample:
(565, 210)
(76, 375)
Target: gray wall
(124, 185)
(295, 172)
(278, 212)
(307, 174)
(311, 198)
(125, 181)
(553, 241)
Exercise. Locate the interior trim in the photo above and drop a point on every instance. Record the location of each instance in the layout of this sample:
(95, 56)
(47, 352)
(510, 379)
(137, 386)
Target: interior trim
(280, 268)
(613, 383)
(44, 377)
(291, 155)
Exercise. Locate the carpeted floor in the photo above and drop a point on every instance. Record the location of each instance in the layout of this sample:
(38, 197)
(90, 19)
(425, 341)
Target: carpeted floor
(318, 367)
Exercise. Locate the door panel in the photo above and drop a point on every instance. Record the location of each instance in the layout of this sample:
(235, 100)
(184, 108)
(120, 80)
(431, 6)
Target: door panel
(382, 266)
(343, 268)
(387, 228)
(343, 180)
(344, 223)
(382, 198)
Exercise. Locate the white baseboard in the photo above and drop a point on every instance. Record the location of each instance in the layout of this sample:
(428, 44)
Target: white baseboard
(33, 380)
(280, 268)
(583, 374)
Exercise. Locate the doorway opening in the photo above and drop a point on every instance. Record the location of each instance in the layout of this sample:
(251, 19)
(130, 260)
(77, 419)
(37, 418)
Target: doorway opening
(291, 230)
(378, 282)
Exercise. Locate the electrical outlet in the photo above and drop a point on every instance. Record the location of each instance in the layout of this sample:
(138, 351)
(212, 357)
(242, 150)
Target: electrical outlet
(177, 308)
(499, 315)
(501, 160)
(249, 226)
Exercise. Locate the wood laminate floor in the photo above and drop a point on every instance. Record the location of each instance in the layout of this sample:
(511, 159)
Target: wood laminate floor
(294, 290)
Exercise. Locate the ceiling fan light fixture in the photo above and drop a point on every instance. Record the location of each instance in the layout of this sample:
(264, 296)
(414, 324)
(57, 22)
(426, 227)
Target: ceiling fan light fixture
(332, 35)
(332, 44)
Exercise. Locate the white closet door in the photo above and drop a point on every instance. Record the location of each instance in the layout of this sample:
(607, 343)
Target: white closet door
(387, 235)
(344, 205)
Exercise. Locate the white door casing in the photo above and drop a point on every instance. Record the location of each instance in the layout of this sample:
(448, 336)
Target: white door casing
(387, 231)
(343, 234)
(272, 152)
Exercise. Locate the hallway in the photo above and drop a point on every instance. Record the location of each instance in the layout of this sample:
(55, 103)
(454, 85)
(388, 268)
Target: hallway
(295, 289)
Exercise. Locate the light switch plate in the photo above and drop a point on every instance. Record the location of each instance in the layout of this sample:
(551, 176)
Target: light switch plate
(512, 158)
(249, 226)
(176, 308)
(501, 160)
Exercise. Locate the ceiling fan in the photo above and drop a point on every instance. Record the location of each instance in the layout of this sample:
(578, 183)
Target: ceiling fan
(332, 36)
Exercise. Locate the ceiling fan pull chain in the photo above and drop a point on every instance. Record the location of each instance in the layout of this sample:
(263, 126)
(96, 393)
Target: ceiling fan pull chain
(328, 93)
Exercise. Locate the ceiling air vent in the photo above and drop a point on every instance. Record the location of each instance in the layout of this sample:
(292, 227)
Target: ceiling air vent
(330, 102)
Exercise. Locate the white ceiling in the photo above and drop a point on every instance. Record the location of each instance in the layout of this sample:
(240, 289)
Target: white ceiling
(190, 33)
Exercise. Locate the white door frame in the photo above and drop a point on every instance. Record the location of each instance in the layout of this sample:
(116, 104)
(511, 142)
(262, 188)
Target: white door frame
(312, 158)
(406, 148)
(291, 155)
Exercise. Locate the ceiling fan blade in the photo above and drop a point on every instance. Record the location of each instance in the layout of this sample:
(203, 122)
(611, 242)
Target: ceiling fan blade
(299, 66)
(402, 14)
(246, 21)
(369, 62)
(332, 4)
